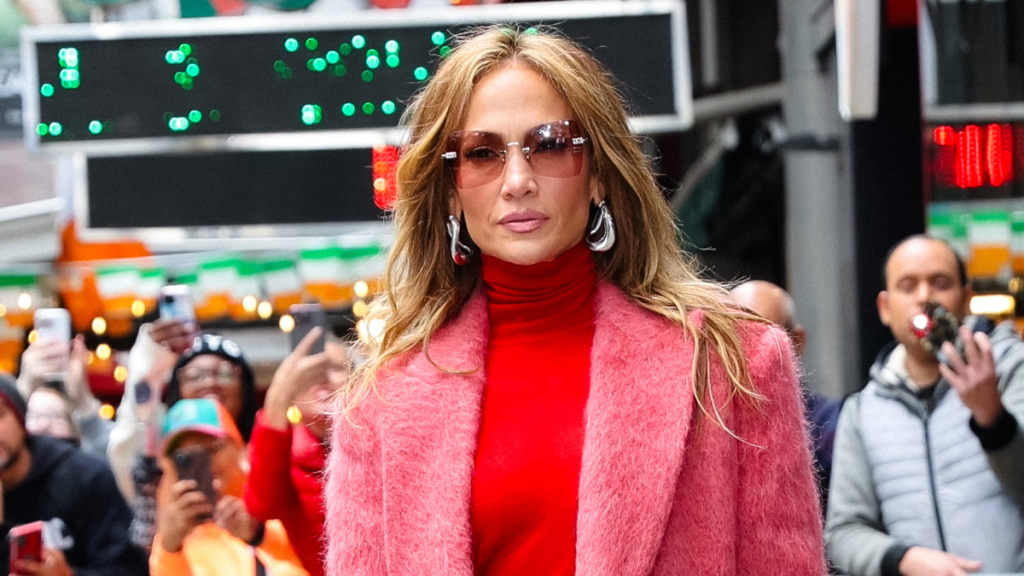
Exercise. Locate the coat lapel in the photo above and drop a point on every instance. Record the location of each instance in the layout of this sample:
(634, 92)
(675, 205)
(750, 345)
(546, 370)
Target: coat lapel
(428, 447)
(637, 420)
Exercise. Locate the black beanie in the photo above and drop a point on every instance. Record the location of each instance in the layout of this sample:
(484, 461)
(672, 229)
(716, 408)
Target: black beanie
(220, 346)
(10, 396)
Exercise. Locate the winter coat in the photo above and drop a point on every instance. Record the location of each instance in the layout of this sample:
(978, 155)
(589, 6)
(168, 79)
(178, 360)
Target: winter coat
(658, 494)
(911, 472)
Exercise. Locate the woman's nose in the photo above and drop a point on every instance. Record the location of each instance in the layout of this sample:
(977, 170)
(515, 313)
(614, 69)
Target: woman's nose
(518, 177)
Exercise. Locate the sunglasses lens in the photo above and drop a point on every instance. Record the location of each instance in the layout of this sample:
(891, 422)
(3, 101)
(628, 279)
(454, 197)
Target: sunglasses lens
(552, 150)
(477, 158)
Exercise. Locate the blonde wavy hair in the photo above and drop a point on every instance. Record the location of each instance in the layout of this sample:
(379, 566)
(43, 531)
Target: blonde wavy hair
(424, 289)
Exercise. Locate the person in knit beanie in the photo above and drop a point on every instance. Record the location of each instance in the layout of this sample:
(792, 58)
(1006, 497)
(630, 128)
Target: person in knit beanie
(10, 396)
(74, 495)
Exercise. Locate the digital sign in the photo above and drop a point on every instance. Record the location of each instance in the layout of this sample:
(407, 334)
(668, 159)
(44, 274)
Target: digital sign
(974, 161)
(91, 84)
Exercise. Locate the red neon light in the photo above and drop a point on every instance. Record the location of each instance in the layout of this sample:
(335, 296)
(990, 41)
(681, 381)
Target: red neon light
(945, 166)
(968, 166)
(944, 135)
(966, 158)
(994, 140)
(1006, 152)
(385, 164)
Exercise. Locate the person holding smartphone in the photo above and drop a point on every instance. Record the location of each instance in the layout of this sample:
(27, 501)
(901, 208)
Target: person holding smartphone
(286, 480)
(203, 528)
(928, 463)
(171, 360)
(72, 493)
(61, 364)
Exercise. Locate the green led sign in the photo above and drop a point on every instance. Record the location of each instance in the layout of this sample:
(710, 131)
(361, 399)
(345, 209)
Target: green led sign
(263, 82)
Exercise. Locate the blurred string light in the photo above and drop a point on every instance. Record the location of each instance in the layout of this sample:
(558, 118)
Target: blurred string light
(99, 325)
(107, 412)
(359, 309)
(249, 304)
(3, 310)
(24, 301)
(138, 308)
(294, 414)
(370, 331)
(361, 288)
(33, 336)
(103, 352)
(286, 323)
(993, 305)
(265, 310)
(120, 374)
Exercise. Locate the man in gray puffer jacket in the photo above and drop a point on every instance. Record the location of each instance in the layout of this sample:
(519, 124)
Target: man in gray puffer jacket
(928, 468)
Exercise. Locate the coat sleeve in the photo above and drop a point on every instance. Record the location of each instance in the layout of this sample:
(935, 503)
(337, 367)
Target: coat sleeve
(269, 492)
(164, 563)
(1007, 461)
(354, 497)
(854, 534)
(779, 517)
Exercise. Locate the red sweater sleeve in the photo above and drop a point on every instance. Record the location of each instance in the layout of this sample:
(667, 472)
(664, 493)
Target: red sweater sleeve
(269, 492)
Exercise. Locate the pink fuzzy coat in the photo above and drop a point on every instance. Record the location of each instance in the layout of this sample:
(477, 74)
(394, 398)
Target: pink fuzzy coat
(657, 495)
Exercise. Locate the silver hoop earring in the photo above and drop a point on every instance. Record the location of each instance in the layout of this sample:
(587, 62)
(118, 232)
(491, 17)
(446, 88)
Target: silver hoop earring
(460, 251)
(600, 229)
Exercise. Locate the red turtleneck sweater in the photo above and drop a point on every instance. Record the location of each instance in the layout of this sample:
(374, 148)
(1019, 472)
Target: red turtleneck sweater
(526, 475)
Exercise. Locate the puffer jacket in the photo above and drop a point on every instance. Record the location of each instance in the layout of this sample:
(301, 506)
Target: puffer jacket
(909, 470)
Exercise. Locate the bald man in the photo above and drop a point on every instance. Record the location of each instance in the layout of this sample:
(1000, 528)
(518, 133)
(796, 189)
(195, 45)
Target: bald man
(928, 474)
(776, 305)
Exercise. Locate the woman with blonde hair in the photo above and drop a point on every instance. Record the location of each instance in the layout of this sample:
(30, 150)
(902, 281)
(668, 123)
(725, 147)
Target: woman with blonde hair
(555, 391)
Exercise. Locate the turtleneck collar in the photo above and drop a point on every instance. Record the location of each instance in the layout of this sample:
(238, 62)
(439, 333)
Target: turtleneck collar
(527, 301)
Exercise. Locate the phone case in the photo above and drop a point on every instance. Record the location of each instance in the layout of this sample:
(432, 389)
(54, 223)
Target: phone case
(176, 303)
(933, 327)
(308, 316)
(193, 463)
(26, 543)
(52, 324)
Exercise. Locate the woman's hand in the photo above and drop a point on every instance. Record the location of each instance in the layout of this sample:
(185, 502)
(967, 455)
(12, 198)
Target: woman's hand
(296, 374)
(39, 359)
(186, 508)
(175, 335)
(230, 514)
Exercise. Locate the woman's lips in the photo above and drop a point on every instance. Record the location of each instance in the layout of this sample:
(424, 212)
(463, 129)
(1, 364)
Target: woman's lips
(523, 222)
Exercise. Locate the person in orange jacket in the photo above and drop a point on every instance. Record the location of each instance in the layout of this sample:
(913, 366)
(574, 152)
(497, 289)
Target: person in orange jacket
(196, 536)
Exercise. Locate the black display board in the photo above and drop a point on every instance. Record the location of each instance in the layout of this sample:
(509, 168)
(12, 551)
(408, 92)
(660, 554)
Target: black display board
(231, 189)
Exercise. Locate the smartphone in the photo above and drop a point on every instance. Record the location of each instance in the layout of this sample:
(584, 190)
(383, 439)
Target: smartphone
(175, 303)
(26, 543)
(937, 325)
(53, 324)
(307, 317)
(193, 463)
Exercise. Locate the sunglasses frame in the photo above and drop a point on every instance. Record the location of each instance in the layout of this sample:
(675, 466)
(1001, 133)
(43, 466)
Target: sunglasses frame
(576, 150)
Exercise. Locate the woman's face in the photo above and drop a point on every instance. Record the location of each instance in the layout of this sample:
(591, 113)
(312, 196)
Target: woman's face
(521, 216)
(210, 376)
(48, 415)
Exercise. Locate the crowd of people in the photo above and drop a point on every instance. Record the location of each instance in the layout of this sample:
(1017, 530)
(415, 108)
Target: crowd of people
(555, 391)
